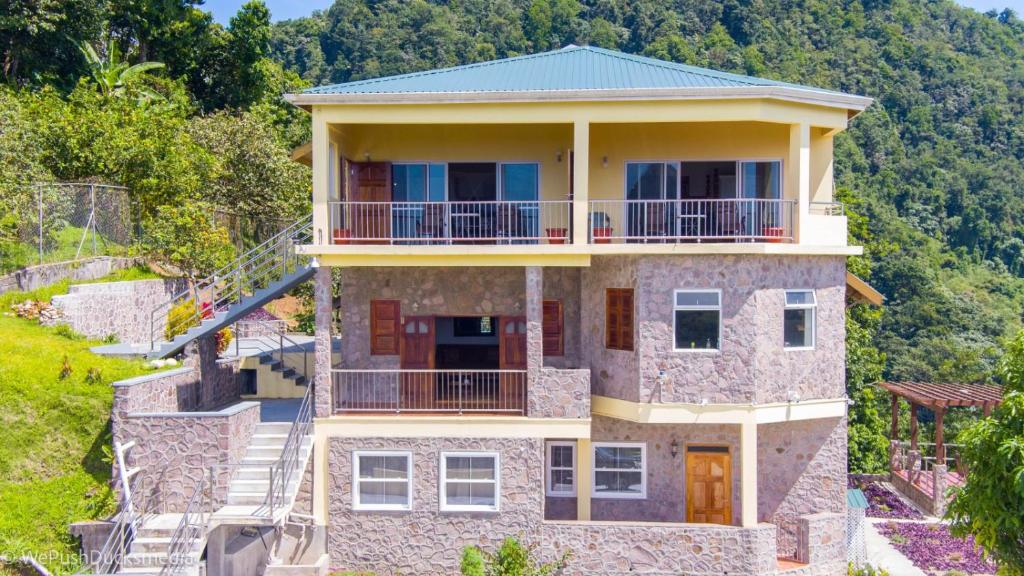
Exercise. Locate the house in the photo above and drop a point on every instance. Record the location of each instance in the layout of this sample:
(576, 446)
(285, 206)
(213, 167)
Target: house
(588, 299)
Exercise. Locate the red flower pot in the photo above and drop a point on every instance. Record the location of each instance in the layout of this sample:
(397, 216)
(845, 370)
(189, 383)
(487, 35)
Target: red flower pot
(602, 235)
(342, 235)
(557, 235)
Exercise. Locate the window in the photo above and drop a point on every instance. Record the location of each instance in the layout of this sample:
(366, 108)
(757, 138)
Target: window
(561, 469)
(472, 326)
(618, 319)
(384, 319)
(552, 328)
(698, 319)
(798, 319)
(382, 481)
(620, 470)
(470, 481)
(647, 181)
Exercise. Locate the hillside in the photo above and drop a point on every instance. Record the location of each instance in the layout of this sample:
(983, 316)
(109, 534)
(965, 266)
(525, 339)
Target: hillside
(936, 165)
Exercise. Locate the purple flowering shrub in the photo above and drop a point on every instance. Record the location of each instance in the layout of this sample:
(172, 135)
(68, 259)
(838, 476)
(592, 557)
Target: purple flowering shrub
(933, 549)
(261, 315)
(882, 502)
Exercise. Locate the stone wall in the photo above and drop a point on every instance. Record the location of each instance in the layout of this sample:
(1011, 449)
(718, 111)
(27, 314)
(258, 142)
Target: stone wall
(801, 469)
(85, 269)
(613, 372)
(821, 543)
(563, 284)
(666, 497)
(559, 394)
(121, 309)
(650, 548)
(751, 364)
(425, 540)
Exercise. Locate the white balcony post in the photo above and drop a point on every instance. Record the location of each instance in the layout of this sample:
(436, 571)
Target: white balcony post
(799, 173)
(581, 181)
(321, 166)
(748, 473)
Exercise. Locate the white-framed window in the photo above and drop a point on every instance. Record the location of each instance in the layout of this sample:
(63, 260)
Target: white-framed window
(381, 480)
(620, 470)
(470, 481)
(798, 320)
(561, 469)
(697, 319)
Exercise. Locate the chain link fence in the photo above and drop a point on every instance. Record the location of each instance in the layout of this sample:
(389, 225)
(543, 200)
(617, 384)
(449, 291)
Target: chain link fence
(248, 231)
(60, 221)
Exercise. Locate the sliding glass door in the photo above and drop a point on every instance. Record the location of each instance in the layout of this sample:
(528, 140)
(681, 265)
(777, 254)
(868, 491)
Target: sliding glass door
(650, 211)
(414, 187)
(761, 187)
(520, 185)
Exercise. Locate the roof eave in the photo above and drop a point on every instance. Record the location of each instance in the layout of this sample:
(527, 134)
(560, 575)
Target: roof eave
(805, 96)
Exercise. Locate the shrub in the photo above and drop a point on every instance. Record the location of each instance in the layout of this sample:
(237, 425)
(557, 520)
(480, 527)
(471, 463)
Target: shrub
(511, 559)
(180, 318)
(65, 368)
(65, 331)
(94, 376)
(224, 338)
(865, 570)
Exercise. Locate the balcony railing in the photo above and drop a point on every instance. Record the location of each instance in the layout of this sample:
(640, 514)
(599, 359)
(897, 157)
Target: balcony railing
(430, 391)
(731, 219)
(418, 223)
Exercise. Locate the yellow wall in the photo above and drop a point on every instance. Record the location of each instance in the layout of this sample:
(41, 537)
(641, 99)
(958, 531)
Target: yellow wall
(541, 143)
(821, 165)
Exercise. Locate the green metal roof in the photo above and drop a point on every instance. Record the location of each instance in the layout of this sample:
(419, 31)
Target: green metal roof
(573, 68)
(855, 498)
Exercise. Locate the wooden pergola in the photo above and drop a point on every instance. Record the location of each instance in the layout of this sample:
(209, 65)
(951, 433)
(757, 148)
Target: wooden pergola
(938, 397)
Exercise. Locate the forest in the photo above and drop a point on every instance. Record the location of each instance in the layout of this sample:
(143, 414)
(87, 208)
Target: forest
(932, 174)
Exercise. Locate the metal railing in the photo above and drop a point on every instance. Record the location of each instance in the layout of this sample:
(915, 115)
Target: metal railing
(133, 511)
(267, 263)
(828, 208)
(927, 456)
(442, 391)
(641, 221)
(287, 466)
(182, 553)
(487, 222)
(263, 344)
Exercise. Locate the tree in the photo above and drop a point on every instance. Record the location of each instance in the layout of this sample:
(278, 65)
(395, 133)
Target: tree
(39, 39)
(511, 559)
(186, 237)
(115, 76)
(990, 506)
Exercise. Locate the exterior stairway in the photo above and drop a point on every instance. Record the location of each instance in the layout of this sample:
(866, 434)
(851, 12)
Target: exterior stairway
(251, 482)
(275, 365)
(255, 278)
(147, 554)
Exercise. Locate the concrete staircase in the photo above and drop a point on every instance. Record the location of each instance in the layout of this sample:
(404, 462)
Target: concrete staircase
(148, 552)
(251, 481)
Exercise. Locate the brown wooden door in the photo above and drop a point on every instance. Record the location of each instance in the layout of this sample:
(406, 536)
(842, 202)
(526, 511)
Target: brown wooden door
(417, 353)
(370, 183)
(512, 356)
(708, 487)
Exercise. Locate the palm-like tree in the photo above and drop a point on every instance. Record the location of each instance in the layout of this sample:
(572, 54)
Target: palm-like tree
(115, 76)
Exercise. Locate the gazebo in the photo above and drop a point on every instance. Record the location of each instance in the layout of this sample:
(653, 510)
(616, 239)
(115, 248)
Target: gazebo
(909, 466)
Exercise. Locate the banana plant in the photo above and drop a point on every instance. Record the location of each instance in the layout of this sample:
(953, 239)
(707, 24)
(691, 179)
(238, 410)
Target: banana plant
(115, 76)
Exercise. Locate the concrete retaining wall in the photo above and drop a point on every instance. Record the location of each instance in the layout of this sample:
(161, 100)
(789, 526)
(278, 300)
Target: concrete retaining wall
(35, 277)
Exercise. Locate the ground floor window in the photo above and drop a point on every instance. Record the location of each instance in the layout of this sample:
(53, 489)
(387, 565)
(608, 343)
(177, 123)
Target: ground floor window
(561, 468)
(382, 480)
(470, 481)
(620, 470)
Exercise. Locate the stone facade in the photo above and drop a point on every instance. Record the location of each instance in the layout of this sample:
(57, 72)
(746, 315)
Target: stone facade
(322, 343)
(559, 393)
(606, 548)
(85, 269)
(425, 540)
(121, 309)
(801, 469)
(821, 543)
(613, 372)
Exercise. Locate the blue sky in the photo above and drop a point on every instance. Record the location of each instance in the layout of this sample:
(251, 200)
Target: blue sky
(286, 9)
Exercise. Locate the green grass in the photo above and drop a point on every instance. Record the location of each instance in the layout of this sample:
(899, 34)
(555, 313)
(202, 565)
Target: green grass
(52, 467)
(63, 247)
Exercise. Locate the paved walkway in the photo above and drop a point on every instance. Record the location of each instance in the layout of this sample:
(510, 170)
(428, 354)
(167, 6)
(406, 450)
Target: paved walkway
(882, 554)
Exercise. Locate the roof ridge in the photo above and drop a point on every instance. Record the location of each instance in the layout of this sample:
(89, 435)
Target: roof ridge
(674, 66)
(472, 65)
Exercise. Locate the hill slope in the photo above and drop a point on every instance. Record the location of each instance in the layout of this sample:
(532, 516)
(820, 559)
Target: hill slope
(937, 164)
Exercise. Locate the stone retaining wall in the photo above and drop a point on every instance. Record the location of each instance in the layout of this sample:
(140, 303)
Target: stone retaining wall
(35, 277)
(821, 543)
(121, 309)
(606, 548)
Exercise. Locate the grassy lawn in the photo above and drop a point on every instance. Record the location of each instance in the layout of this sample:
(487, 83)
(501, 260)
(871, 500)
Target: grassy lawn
(53, 470)
(63, 247)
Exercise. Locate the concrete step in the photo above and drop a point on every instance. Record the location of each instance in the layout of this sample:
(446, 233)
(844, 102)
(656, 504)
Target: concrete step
(268, 439)
(253, 473)
(259, 485)
(273, 428)
(240, 498)
(256, 461)
(144, 545)
(145, 560)
(264, 451)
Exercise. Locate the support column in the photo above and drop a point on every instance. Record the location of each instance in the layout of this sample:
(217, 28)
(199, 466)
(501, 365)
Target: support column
(584, 456)
(534, 332)
(894, 429)
(748, 473)
(321, 166)
(581, 181)
(940, 448)
(322, 298)
(913, 426)
(799, 173)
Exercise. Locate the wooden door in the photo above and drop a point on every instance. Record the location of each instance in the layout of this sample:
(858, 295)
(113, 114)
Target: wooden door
(708, 485)
(511, 393)
(417, 353)
(370, 183)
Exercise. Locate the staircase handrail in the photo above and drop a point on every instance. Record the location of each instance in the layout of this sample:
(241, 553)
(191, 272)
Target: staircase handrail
(192, 527)
(272, 259)
(283, 470)
(129, 518)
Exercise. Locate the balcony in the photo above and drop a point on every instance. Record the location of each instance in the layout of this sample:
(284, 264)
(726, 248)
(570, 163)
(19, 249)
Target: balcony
(713, 220)
(430, 391)
(440, 223)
